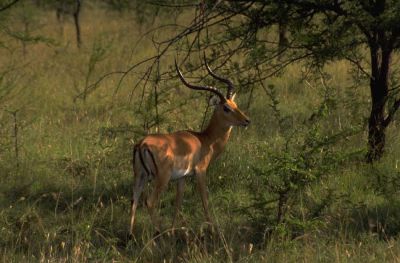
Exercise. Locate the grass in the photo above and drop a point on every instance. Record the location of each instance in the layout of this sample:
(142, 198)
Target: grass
(67, 197)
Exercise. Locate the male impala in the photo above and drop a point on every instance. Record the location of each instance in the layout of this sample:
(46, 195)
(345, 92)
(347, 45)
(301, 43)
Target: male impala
(162, 157)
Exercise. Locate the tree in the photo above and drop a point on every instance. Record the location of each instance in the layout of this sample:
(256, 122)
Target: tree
(341, 29)
(318, 31)
(65, 8)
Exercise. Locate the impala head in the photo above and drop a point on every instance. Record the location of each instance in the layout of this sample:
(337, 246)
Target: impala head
(226, 109)
(228, 112)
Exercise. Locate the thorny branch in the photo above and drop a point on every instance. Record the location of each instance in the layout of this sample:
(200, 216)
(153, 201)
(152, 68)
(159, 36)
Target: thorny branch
(195, 26)
(224, 46)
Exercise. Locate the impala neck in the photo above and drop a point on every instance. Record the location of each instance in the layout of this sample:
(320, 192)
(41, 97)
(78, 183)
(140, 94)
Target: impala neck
(216, 134)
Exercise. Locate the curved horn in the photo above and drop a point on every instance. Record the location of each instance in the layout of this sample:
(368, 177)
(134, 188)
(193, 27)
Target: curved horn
(191, 86)
(231, 88)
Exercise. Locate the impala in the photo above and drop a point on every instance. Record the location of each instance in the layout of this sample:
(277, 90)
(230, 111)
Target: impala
(164, 157)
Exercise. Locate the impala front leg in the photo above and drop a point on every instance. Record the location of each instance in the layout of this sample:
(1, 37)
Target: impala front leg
(179, 198)
(201, 184)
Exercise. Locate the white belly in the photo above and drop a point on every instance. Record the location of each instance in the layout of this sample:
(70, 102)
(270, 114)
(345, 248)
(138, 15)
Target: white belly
(179, 173)
(183, 166)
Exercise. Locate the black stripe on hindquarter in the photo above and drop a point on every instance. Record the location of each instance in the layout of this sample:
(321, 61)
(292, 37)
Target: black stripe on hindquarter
(134, 155)
(154, 161)
(143, 162)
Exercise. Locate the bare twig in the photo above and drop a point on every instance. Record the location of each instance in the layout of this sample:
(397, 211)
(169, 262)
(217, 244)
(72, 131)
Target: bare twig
(358, 65)
(7, 6)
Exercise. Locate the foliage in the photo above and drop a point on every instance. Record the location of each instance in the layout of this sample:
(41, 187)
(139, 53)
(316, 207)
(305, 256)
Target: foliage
(307, 155)
(97, 54)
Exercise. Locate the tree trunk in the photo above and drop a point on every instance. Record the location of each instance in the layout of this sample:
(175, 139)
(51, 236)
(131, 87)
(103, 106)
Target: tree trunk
(380, 64)
(376, 129)
(282, 31)
(282, 41)
(77, 25)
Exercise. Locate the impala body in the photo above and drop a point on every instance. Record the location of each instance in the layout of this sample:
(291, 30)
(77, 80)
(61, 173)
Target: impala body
(162, 157)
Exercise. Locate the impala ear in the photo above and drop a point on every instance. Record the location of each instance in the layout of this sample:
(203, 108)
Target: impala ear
(233, 97)
(214, 100)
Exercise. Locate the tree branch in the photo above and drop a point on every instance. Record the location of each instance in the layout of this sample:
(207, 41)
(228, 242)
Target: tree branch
(392, 112)
(358, 65)
(3, 8)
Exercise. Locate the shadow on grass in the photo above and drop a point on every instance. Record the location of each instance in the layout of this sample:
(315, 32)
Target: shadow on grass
(381, 220)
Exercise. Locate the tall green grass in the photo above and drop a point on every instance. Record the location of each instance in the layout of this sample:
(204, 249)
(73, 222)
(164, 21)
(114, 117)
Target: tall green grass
(68, 199)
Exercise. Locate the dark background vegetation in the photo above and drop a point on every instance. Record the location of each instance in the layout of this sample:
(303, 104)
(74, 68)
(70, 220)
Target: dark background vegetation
(316, 176)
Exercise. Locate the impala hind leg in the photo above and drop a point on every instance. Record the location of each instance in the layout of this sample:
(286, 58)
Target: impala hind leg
(140, 182)
(152, 201)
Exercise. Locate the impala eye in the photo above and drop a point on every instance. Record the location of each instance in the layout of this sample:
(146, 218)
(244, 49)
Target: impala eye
(227, 109)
